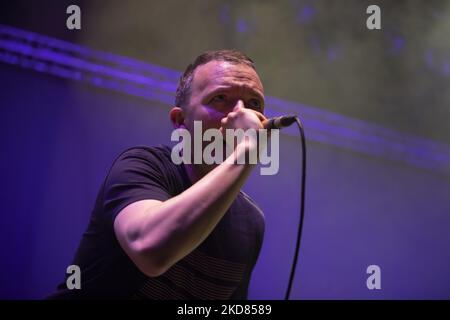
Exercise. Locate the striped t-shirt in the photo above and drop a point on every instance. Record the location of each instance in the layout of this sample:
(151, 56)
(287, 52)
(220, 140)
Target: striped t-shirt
(220, 268)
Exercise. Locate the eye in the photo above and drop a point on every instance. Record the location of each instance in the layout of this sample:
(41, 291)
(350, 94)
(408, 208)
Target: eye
(219, 98)
(254, 104)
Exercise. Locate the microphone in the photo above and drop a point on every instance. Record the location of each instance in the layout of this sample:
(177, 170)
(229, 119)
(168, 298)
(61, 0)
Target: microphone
(279, 122)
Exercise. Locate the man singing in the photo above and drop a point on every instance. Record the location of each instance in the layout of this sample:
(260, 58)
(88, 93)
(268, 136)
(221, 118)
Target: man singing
(161, 230)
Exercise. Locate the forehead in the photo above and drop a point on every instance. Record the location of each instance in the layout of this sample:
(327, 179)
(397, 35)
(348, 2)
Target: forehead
(215, 74)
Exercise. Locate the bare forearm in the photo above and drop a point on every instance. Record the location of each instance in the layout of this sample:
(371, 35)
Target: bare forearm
(177, 226)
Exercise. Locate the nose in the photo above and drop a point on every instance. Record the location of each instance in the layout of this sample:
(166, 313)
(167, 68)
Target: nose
(239, 104)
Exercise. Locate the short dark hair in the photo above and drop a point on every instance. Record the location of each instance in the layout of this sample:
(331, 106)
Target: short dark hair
(184, 86)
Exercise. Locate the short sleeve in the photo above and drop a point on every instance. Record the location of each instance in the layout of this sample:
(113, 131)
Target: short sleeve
(137, 174)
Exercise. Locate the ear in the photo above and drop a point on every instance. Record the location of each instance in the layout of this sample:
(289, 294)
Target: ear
(176, 115)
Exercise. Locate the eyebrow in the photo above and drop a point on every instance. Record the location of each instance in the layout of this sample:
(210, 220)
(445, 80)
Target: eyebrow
(253, 92)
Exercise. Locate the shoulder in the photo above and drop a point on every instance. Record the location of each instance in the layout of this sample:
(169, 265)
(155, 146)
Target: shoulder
(138, 173)
(149, 167)
(139, 164)
(141, 159)
(153, 154)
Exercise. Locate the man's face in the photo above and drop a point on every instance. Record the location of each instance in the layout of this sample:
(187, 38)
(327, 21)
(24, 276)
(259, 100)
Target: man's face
(217, 88)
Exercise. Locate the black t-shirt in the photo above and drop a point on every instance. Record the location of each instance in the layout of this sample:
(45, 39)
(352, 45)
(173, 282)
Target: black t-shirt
(219, 268)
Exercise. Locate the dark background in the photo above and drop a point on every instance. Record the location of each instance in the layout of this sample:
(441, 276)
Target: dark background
(59, 137)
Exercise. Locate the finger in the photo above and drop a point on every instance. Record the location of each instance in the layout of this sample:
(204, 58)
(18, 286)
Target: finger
(232, 115)
(223, 121)
(260, 115)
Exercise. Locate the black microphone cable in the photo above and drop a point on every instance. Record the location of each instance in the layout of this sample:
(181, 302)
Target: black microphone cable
(280, 122)
(302, 207)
